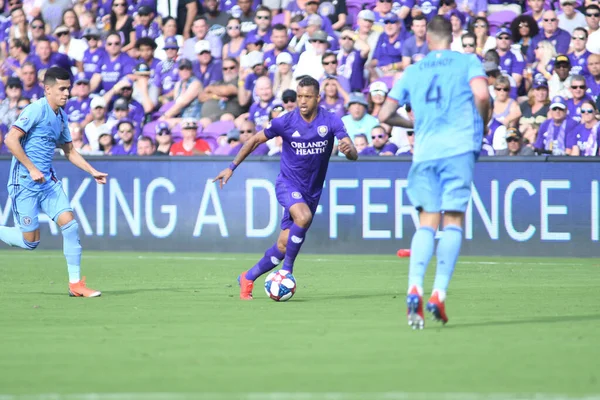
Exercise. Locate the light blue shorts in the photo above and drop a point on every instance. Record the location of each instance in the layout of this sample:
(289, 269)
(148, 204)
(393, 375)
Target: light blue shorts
(26, 205)
(442, 185)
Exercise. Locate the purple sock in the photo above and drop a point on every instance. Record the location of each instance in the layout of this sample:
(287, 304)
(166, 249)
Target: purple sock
(294, 244)
(270, 260)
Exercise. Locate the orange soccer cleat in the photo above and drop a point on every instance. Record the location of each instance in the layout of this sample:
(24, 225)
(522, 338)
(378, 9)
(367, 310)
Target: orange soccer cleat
(437, 308)
(246, 286)
(79, 289)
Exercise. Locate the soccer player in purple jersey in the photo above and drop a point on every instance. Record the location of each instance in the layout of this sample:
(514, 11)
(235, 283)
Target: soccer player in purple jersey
(308, 134)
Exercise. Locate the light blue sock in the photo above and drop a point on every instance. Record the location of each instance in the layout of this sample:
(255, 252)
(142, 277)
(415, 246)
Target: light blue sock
(421, 251)
(12, 237)
(447, 253)
(72, 250)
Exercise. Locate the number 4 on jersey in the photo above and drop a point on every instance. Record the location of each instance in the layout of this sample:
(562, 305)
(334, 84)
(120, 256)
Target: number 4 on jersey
(434, 92)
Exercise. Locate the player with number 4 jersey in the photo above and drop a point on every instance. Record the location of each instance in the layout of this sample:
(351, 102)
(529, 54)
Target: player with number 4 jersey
(449, 96)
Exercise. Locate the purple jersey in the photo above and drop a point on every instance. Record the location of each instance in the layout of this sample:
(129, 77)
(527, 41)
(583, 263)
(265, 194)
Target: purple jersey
(512, 63)
(579, 64)
(213, 73)
(113, 71)
(119, 150)
(584, 138)
(92, 61)
(306, 148)
(270, 59)
(549, 132)
(166, 75)
(77, 109)
(336, 108)
(11, 62)
(387, 53)
(574, 108)
(34, 93)
(56, 59)
(152, 31)
(428, 8)
(253, 36)
(416, 53)
(260, 115)
(593, 87)
(351, 66)
(372, 151)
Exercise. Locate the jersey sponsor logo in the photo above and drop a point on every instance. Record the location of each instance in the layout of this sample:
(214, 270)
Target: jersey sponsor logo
(309, 148)
(322, 130)
(26, 221)
(23, 119)
(296, 195)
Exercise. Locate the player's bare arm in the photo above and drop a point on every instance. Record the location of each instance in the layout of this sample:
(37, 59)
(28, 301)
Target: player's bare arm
(13, 143)
(347, 147)
(389, 116)
(77, 159)
(245, 151)
(481, 96)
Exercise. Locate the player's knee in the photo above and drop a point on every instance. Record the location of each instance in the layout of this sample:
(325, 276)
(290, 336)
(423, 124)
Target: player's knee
(31, 245)
(281, 246)
(303, 220)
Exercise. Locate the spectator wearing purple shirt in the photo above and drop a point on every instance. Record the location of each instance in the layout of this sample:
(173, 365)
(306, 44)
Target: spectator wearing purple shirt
(78, 107)
(146, 27)
(263, 27)
(593, 81)
(206, 68)
(166, 74)
(579, 56)
(125, 92)
(93, 57)
(330, 66)
(115, 65)
(259, 111)
(584, 139)
(332, 98)
(351, 59)
(429, 8)
(415, 47)
(381, 145)
(536, 11)
(512, 62)
(127, 145)
(553, 133)
(200, 31)
(577, 88)
(387, 58)
(120, 112)
(254, 69)
(247, 130)
(552, 33)
(46, 58)
(32, 90)
(279, 39)
(19, 52)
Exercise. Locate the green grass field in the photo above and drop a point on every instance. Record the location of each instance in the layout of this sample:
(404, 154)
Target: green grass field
(172, 326)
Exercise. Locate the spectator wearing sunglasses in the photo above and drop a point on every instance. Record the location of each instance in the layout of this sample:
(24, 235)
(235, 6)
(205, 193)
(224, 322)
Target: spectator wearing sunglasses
(523, 29)
(92, 56)
(387, 58)
(382, 8)
(380, 143)
(570, 18)
(578, 92)
(220, 99)
(469, 43)
(506, 110)
(560, 38)
(514, 145)
(263, 27)
(310, 62)
(247, 130)
(560, 82)
(554, 132)
(115, 65)
(410, 137)
(146, 28)
(8, 106)
(164, 140)
(584, 139)
(289, 100)
(351, 59)
(511, 62)
(71, 47)
(592, 17)
(579, 56)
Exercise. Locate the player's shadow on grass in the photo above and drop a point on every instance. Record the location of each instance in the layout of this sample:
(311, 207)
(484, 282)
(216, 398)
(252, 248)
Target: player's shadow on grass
(539, 320)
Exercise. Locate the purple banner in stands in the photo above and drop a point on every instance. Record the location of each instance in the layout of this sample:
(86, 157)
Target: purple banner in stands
(517, 208)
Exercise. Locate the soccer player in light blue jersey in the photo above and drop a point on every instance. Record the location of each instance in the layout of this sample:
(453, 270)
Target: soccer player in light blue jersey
(448, 93)
(33, 186)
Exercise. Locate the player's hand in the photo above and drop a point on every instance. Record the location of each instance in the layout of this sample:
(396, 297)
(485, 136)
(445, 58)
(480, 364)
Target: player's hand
(223, 177)
(344, 147)
(100, 177)
(37, 176)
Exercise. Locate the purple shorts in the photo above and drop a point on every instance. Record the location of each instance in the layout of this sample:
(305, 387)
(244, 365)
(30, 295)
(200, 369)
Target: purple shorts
(287, 196)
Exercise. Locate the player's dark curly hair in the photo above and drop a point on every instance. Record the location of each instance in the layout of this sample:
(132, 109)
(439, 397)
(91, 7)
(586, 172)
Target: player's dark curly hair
(310, 81)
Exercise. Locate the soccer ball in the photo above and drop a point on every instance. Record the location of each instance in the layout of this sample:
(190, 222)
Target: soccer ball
(280, 285)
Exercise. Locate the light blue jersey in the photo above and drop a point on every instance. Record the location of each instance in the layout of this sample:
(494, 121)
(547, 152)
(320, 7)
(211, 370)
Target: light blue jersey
(44, 130)
(438, 89)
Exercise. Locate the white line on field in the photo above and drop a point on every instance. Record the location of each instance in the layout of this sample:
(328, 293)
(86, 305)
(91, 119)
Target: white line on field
(117, 256)
(296, 396)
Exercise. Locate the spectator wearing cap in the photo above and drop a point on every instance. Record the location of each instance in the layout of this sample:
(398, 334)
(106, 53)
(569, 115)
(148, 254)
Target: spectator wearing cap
(124, 90)
(381, 10)
(377, 94)
(415, 47)
(207, 69)
(185, 94)
(310, 62)
(145, 146)
(200, 31)
(333, 98)
(216, 18)
(262, 32)
(121, 112)
(259, 111)
(116, 65)
(457, 20)
(313, 7)
(164, 140)
(18, 50)
(71, 47)
(78, 106)
(512, 62)
(351, 59)
(381, 145)
(584, 139)
(593, 81)
(535, 111)
(236, 42)
(309, 26)
(387, 59)
(283, 78)
(219, 100)
(190, 146)
(247, 130)
(46, 58)
(592, 17)
(279, 41)
(8, 106)
(145, 93)
(93, 56)
(289, 100)
(120, 21)
(570, 18)
(168, 39)
(560, 81)
(226, 142)
(253, 67)
(106, 142)
(579, 56)
(127, 144)
(146, 28)
(167, 71)
(32, 89)
(145, 48)
(560, 38)
(358, 120)
(93, 129)
(514, 145)
(578, 96)
(553, 133)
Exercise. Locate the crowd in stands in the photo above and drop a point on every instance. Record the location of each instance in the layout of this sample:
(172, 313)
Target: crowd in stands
(200, 77)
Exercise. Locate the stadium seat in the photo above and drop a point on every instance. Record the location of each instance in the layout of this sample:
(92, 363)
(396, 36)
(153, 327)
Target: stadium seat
(218, 128)
(500, 18)
(278, 19)
(212, 142)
